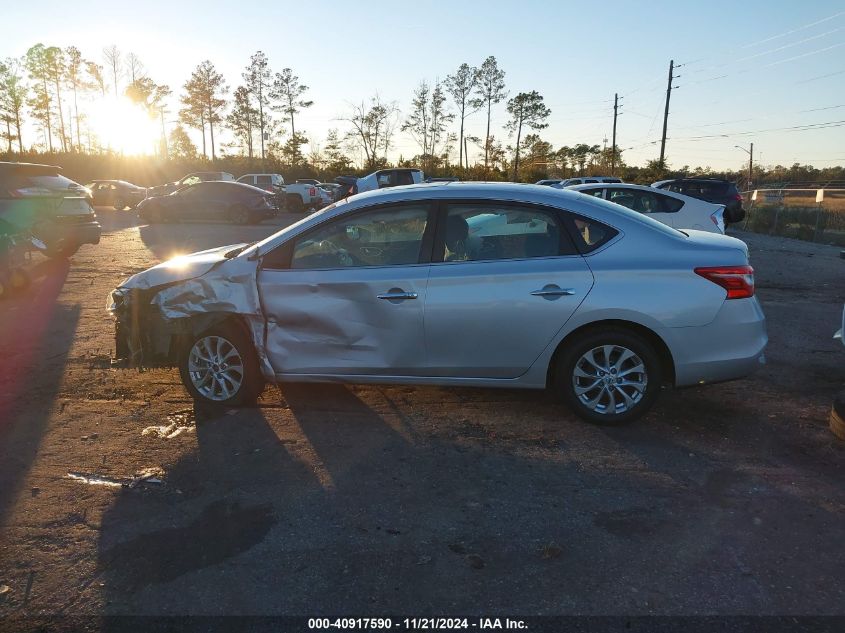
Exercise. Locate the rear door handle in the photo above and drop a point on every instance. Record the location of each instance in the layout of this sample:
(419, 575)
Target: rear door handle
(552, 291)
(396, 294)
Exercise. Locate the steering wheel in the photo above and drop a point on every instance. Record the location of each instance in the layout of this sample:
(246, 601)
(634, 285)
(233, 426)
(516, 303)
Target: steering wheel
(343, 256)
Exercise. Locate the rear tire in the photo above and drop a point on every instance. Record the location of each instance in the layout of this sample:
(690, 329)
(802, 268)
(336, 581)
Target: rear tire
(119, 204)
(609, 376)
(294, 203)
(220, 367)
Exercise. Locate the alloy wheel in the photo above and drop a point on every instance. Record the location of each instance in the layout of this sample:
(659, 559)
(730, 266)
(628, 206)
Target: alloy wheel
(610, 379)
(216, 368)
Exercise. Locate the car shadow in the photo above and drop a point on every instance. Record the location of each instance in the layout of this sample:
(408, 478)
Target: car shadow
(331, 500)
(36, 334)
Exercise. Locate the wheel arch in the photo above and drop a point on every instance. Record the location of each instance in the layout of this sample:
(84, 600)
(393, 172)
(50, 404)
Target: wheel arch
(667, 362)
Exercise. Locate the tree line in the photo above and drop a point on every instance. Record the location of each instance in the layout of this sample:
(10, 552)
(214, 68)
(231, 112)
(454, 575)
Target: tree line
(55, 89)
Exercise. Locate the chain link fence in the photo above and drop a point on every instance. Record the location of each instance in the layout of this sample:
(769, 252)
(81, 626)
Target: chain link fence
(814, 215)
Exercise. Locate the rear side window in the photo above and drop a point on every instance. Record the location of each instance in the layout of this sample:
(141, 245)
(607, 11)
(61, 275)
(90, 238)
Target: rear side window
(670, 204)
(264, 180)
(588, 234)
(247, 180)
(494, 231)
(597, 192)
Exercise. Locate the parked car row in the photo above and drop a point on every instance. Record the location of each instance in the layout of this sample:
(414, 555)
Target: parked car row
(679, 204)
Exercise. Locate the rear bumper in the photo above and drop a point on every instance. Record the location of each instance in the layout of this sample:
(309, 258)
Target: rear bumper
(729, 347)
(67, 232)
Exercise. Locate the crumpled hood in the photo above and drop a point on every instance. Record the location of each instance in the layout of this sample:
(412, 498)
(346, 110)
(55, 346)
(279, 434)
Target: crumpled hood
(180, 268)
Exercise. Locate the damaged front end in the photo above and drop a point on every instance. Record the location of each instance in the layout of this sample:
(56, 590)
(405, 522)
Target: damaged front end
(159, 311)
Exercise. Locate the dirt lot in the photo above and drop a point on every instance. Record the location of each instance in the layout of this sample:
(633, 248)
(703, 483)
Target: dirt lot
(726, 499)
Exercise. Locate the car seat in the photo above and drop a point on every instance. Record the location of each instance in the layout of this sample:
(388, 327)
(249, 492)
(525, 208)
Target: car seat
(457, 231)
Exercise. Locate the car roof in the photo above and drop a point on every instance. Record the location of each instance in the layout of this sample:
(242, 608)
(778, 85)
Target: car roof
(618, 216)
(13, 166)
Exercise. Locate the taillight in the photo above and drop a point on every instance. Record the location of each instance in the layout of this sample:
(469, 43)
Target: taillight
(737, 280)
(312, 192)
(738, 197)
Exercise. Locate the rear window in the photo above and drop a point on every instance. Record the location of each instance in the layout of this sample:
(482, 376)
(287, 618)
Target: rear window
(54, 182)
(588, 234)
(713, 188)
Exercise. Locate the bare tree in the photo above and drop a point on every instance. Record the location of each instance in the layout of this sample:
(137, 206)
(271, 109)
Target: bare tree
(428, 120)
(134, 68)
(489, 91)
(112, 56)
(461, 86)
(373, 125)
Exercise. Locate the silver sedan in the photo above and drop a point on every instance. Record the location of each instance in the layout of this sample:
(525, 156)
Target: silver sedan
(475, 284)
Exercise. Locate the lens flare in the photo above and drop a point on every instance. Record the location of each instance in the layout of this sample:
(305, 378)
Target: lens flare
(124, 127)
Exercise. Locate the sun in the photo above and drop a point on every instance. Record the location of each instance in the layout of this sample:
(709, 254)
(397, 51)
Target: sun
(124, 127)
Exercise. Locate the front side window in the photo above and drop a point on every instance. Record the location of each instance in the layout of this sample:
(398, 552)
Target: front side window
(386, 237)
(492, 231)
(264, 180)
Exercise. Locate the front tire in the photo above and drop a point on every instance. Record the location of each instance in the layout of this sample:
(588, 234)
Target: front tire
(119, 204)
(239, 214)
(609, 376)
(220, 367)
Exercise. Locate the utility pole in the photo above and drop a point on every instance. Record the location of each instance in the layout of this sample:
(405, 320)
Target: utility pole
(613, 146)
(750, 153)
(666, 115)
(750, 165)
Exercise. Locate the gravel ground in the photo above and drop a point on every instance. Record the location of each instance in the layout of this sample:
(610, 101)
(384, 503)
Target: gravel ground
(365, 500)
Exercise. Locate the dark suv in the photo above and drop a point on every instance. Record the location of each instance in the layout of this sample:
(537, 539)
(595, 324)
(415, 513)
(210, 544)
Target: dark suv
(711, 190)
(38, 200)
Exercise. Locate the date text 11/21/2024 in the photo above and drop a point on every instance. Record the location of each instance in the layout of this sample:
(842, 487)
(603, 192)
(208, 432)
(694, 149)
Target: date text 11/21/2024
(416, 623)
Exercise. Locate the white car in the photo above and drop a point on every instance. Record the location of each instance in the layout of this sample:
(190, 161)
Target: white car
(670, 208)
(585, 180)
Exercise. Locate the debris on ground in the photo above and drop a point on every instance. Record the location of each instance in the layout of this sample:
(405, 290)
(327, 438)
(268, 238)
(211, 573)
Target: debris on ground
(551, 550)
(178, 423)
(151, 475)
(5, 590)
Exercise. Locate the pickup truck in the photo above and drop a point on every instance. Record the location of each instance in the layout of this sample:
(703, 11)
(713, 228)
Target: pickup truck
(379, 180)
(301, 196)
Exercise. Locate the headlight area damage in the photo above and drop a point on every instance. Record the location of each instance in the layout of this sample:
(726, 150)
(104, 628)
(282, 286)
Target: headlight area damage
(154, 322)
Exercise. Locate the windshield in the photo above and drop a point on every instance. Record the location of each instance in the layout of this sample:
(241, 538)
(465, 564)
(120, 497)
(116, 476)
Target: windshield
(257, 246)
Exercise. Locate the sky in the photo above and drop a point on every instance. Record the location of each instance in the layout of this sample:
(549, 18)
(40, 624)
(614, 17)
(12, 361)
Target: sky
(745, 71)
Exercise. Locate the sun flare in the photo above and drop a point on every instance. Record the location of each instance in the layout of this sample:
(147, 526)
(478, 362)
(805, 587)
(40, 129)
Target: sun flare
(124, 127)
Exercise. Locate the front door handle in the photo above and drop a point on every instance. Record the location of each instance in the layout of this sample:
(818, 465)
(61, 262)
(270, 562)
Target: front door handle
(552, 291)
(395, 295)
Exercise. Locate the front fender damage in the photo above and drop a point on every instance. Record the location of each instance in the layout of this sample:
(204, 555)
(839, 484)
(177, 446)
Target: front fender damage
(154, 324)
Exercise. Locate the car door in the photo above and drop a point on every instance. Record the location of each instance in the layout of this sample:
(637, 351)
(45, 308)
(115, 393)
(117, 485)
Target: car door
(505, 279)
(646, 201)
(211, 202)
(347, 297)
